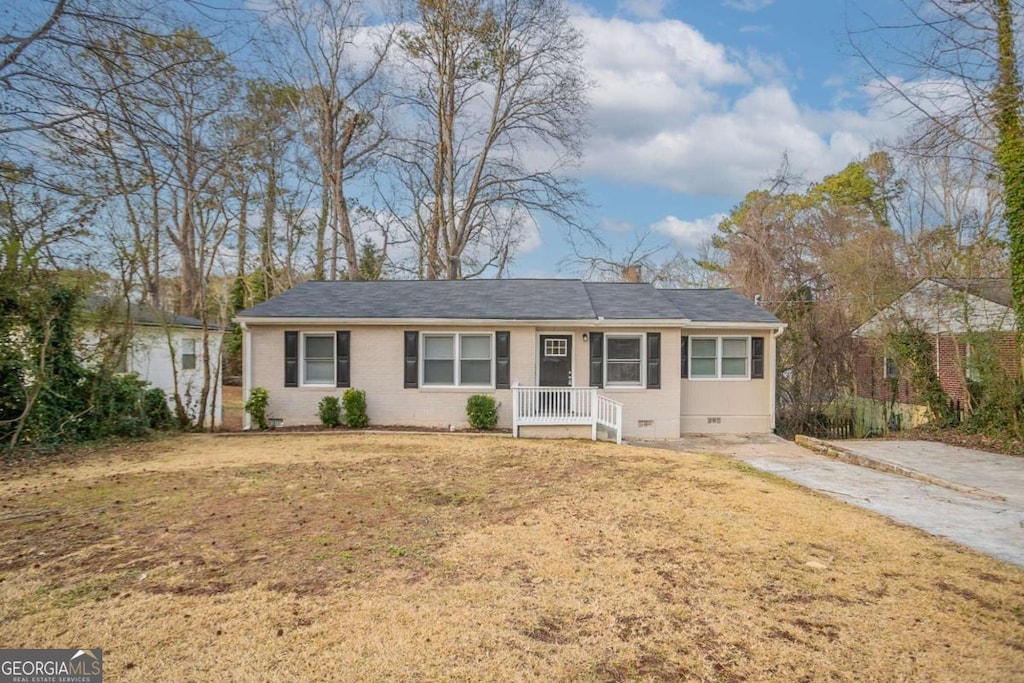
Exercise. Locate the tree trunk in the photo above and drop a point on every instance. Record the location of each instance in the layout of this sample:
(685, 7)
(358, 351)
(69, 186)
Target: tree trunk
(1010, 159)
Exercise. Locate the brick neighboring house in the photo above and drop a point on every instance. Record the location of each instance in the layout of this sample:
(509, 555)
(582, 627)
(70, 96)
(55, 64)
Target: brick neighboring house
(949, 311)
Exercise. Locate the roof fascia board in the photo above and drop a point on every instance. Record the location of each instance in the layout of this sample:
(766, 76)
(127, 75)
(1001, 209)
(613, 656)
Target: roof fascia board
(735, 325)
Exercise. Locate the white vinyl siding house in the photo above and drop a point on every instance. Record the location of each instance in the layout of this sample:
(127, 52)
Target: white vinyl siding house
(167, 351)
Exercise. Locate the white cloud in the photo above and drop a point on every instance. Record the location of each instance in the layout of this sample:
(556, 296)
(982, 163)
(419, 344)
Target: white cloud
(615, 226)
(674, 110)
(530, 238)
(747, 5)
(642, 9)
(688, 234)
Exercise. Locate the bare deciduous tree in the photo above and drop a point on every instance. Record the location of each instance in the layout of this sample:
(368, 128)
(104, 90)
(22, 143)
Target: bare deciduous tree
(326, 49)
(497, 88)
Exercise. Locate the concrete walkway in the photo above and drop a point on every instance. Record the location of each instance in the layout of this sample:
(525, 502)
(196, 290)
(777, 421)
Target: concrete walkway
(1000, 475)
(985, 523)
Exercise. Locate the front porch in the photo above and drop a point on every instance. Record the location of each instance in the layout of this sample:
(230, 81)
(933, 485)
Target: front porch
(565, 406)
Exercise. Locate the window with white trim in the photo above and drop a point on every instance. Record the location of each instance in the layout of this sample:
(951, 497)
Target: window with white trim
(318, 361)
(735, 357)
(475, 360)
(556, 348)
(719, 358)
(458, 360)
(972, 364)
(623, 360)
(891, 369)
(188, 354)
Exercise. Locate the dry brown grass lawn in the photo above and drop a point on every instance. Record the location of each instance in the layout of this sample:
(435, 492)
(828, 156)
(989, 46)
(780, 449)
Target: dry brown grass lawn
(438, 558)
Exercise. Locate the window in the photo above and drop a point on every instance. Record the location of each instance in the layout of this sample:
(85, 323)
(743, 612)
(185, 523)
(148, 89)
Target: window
(972, 364)
(470, 366)
(623, 360)
(703, 358)
(188, 354)
(121, 361)
(318, 359)
(475, 360)
(734, 357)
(556, 348)
(720, 358)
(891, 369)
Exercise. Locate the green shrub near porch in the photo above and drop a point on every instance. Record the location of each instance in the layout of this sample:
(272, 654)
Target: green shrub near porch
(482, 411)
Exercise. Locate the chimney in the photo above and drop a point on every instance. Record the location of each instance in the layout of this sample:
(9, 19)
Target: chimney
(631, 273)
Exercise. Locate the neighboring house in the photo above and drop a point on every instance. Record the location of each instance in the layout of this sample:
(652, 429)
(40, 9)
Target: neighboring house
(952, 312)
(166, 350)
(561, 357)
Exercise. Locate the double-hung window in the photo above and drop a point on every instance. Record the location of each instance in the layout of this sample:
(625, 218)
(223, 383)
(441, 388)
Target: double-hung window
(458, 360)
(188, 354)
(972, 363)
(318, 359)
(719, 357)
(624, 360)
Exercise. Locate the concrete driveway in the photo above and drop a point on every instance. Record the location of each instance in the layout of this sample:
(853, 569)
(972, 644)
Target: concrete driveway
(990, 520)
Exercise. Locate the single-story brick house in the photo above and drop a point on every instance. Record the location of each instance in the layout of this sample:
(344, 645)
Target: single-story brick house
(561, 357)
(952, 312)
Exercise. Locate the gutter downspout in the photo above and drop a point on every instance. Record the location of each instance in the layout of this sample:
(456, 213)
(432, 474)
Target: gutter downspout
(246, 374)
(772, 377)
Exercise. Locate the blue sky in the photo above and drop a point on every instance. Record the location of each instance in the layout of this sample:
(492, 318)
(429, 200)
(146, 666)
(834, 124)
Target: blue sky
(695, 103)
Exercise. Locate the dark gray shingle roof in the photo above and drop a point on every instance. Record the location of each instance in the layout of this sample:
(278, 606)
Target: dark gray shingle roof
(718, 306)
(147, 315)
(996, 290)
(505, 300)
(619, 300)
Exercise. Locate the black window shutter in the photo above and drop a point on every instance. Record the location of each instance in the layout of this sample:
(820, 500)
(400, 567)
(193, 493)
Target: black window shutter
(501, 359)
(757, 357)
(291, 359)
(654, 360)
(684, 358)
(412, 355)
(342, 349)
(597, 359)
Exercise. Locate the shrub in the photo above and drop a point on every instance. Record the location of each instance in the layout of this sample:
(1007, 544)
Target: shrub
(156, 410)
(116, 407)
(354, 401)
(329, 410)
(482, 411)
(256, 406)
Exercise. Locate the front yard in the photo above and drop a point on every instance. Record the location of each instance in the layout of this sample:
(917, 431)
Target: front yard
(412, 558)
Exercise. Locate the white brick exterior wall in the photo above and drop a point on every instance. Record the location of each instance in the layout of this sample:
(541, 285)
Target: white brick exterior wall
(377, 353)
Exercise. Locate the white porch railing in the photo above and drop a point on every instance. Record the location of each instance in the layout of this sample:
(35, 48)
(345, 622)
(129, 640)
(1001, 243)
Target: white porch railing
(547, 406)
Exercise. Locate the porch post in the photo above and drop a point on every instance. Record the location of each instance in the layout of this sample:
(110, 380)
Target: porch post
(593, 413)
(515, 410)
